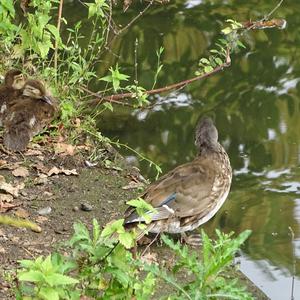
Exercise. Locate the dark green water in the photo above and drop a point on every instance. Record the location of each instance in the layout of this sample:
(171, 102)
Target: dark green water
(256, 105)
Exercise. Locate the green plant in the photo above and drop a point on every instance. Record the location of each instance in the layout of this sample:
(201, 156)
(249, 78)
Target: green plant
(209, 272)
(224, 47)
(48, 278)
(100, 265)
(8, 30)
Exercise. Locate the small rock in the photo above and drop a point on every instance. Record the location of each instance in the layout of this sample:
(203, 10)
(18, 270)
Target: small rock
(90, 164)
(45, 211)
(86, 207)
(75, 208)
(48, 194)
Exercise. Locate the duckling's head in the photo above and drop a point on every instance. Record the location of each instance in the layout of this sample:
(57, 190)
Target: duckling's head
(36, 90)
(206, 134)
(15, 79)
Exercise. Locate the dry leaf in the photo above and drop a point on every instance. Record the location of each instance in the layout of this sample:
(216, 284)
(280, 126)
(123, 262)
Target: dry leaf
(40, 167)
(133, 185)
(4, 207)
(56, 171)
(22, 213)
(8, 188)
(3, 162)
(33, 152)
(41, 219)
(20, 172)
(150, 258)
(64, 149)
(6, 198)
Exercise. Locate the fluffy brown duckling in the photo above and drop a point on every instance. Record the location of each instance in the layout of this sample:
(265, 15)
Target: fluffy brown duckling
(28, 115)
(10, 90)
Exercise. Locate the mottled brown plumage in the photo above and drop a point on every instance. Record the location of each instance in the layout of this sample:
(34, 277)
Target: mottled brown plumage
(10, 90)
(192, 193)
(28, 115)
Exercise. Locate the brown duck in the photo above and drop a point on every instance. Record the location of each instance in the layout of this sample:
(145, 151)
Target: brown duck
(11, 89)
(192, 193)
(27, 116)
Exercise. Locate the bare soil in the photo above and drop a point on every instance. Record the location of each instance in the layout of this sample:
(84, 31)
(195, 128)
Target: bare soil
(102, 190)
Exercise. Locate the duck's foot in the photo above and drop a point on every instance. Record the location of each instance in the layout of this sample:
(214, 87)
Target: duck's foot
(192, 239)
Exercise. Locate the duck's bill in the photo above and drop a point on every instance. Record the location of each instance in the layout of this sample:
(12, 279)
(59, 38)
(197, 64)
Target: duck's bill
(48, 100)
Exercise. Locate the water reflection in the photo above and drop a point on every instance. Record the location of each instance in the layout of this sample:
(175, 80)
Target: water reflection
(256, 106)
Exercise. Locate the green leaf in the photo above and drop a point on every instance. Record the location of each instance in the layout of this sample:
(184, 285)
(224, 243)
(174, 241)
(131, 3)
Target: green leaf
(96, 230)
(218, 61)
(140, 203)
(107, 78)
(59, 279)
(31, 276)
(126, 239)
(227, 30)
(208, 69)
(48, 293)
(43, 49)
(241, 44)
(108, 106)
(204, 61)
(116, 226)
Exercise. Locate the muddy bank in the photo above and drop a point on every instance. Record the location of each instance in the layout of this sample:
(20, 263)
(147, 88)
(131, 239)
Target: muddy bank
(56, 201)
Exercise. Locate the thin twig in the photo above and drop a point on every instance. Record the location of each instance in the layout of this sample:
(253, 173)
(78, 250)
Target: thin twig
(61, 2)
(294, 263)
(101, 99)
(273, 10)
(141, 13)
(168, 87)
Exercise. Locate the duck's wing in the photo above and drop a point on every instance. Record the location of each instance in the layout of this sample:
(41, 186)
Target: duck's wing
(184, 191)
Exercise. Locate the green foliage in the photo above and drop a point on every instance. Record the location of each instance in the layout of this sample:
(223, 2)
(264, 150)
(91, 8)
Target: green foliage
(115, 77)
(47, 278)
(100, 266)
(142, 208)
(218, 56)
(209, 272)
(8, 30)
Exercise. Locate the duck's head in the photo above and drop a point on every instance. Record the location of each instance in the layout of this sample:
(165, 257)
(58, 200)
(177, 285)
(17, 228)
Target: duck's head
(36, 90)
(206, 134)
(15, 79)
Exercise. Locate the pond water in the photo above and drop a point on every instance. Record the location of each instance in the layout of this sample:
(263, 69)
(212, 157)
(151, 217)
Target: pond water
(256, 106)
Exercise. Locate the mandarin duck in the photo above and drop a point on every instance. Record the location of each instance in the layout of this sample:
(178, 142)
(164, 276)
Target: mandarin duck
(27, 116)
(11, 89)
(192, 193)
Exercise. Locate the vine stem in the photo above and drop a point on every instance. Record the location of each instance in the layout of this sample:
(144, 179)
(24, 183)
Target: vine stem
(61, 2)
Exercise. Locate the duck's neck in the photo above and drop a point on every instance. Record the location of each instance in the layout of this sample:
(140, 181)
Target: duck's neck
(209, 149)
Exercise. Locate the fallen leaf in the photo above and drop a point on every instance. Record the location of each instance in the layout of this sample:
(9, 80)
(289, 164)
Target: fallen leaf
(20, 172)
(40, 167)
(41, 219)
(56, 171)
(64, 149)
(22, 213)
(6, 198)
(3, 162)
(33, 152)
(10, 166)
(4, 207)
(150, 258)
(8, 188)
(133, 185)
